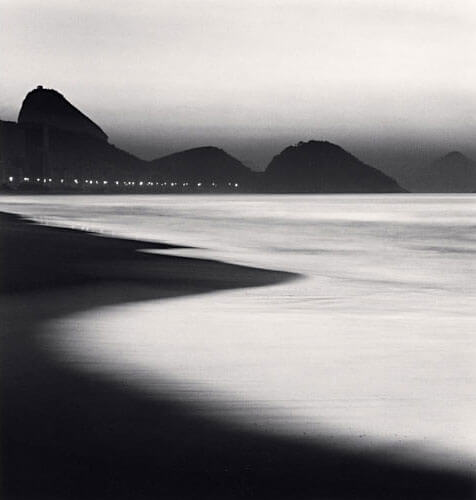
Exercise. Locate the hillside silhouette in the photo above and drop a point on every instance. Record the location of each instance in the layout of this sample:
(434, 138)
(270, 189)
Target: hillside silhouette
(323, 167)
(203, 164)
(452, 173)
(49, 107)
(55, 146)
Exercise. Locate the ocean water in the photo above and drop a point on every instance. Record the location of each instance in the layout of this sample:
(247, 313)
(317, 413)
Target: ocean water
(375, 342)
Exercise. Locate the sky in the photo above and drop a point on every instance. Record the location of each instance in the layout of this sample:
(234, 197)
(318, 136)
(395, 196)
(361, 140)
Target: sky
(392, 81)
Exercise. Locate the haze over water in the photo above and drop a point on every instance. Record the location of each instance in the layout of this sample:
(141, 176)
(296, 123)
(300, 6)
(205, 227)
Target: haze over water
(375, 341)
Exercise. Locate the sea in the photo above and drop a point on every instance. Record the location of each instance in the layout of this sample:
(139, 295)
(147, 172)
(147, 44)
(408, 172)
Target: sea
(373, 342)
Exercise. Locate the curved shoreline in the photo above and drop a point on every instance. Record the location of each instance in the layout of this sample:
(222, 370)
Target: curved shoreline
(68, 435)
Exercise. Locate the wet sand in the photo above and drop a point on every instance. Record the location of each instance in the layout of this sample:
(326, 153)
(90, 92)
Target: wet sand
(68, 435)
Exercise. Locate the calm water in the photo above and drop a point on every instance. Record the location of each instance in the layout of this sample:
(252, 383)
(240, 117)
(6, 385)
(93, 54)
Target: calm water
(376, 342)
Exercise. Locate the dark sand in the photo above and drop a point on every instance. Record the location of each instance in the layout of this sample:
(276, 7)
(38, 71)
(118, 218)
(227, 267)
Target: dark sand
(68, 435)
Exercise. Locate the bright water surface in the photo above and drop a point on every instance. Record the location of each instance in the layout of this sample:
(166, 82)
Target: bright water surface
(376, 342)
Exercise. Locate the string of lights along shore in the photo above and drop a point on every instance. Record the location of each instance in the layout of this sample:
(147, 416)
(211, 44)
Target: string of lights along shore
(103, 184)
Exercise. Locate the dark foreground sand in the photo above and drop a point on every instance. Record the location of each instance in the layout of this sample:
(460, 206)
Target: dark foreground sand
(67, 435)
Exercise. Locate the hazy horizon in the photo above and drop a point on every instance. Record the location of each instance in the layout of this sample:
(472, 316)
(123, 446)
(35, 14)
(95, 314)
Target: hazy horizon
(389, 82)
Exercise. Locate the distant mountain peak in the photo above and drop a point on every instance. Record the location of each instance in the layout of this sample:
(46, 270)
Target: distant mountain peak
(204, 162)
(210, 150)
(316, 145)
(318, 149)
(321, 166)
(48, 106)
(455, 156)
(320, 143)
(452, 173)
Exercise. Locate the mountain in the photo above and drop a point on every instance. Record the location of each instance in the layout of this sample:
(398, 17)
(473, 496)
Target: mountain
(453, 173)
(49, 107)
(55, 145)
(323, 167)
(72, 155)
(204, 164)
(53, 139)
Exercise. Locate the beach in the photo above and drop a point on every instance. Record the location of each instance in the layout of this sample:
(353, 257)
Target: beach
(67, 434)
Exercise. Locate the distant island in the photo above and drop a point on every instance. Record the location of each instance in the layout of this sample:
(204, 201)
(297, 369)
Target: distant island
(452, 173)
(54, 147)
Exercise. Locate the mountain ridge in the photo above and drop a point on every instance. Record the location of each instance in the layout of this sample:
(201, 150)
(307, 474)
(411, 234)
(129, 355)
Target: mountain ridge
(63, 145)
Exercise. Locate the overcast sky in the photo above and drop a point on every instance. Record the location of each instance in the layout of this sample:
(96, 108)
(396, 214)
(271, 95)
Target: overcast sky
(390, 80)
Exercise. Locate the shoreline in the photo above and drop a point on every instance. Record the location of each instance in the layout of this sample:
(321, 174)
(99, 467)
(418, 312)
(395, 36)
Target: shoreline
(67, 435)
